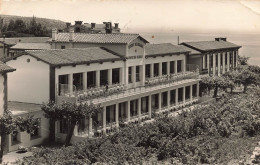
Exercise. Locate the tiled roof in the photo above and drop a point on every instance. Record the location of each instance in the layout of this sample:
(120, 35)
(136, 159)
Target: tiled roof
(31, 46)
(118, 38)
(211, 45)
(5, 68)
(13, 41)
(192, 51)
(18, 108)
(61, 57)
(164, 48)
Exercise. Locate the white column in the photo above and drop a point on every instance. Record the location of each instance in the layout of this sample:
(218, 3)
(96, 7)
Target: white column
(160, 68)
(104, 119)
(150, 106)
(139, 107)
(128, 111)
(190, 92)
(85, 85)
(126, 76)
(168, 68)
(208, 65)
(109, 76)
(214, 64)
(169, 98)
(133, 74)
(97, 78)
(224, 63)
(183, 95)
(117, 116)
(236, 58)
(90, 133)
(175, 67)
(176, 96)
(228, 61)
(160, 101)
(219, 64)
(151, 70)
(203, 61)
(70, 83)
(184, 64)
(142, 73)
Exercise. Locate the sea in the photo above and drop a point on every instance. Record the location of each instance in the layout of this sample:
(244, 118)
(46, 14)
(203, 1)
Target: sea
(250, 42)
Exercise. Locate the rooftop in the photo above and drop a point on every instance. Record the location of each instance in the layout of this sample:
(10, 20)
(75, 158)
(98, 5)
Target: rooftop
(192, 51)
(13, 41)
(62, 57)
(31, 46)
(118, 38)
(18, 108)
(210, 45)
(164, 48)
(5, 68)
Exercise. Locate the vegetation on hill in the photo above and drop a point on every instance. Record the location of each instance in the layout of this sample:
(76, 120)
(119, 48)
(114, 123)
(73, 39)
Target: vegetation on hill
(16, 26)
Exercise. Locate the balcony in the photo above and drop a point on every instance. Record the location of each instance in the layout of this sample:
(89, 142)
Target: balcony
(116, 91)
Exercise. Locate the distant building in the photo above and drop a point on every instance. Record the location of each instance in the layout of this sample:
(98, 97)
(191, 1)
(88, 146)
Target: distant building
(7, 43)
(212, 57)
(105, 27)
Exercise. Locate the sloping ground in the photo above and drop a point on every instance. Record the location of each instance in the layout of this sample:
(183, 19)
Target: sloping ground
(48, 23)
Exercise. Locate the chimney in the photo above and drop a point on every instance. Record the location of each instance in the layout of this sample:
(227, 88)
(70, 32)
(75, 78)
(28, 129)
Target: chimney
(221, 39)
(116, 25)
(71, 35)
(224, 39)
(78, 22)
(68, 24)
(93, 25)
(54, 34)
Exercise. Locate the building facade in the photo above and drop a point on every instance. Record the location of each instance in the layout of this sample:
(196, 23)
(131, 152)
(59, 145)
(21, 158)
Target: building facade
(129, 78)
(214, 57)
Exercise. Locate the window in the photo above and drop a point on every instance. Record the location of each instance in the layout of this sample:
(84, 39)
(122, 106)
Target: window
(147, 71)
(216, 57)
(172, 67)
(179, 67)
(129, 74)
(36, 132)
(103, 77)
(63, 47)
(156, 69)
(194, 90)
(172, 99)
(164, 68)
(78, 81)
(91, 78)
(226, 60)
(221, 58)
(115, 75)
(14, 138)
(206, 61)
(137, 73)
(164, 99)
(187, 92)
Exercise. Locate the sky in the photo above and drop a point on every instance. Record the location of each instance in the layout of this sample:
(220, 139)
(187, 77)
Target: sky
(231, 16)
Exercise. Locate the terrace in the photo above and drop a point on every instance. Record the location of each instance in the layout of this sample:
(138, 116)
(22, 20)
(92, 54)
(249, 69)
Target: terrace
(106, 93)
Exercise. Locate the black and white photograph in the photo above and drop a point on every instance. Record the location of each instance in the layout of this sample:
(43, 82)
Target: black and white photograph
(129, 82)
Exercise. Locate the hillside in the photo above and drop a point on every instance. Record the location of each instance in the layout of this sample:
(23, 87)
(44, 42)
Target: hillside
(48, 23)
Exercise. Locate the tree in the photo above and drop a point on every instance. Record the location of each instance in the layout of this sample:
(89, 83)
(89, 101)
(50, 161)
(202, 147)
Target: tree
(243, 60)
(9, 124)
(246, 77)
(71, 112)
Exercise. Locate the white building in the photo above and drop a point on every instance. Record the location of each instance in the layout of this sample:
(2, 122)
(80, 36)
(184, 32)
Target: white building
(128, 77)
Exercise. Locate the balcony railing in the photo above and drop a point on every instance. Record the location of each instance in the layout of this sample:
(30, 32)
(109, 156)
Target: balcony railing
(98, 95)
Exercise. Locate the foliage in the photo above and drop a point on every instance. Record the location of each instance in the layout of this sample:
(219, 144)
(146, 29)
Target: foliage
(243, 60)
(71, 112)
(208, 134)
(18, 28)
(10, 124)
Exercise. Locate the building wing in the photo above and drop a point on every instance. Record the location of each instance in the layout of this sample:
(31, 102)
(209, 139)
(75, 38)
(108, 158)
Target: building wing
(5, 68)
